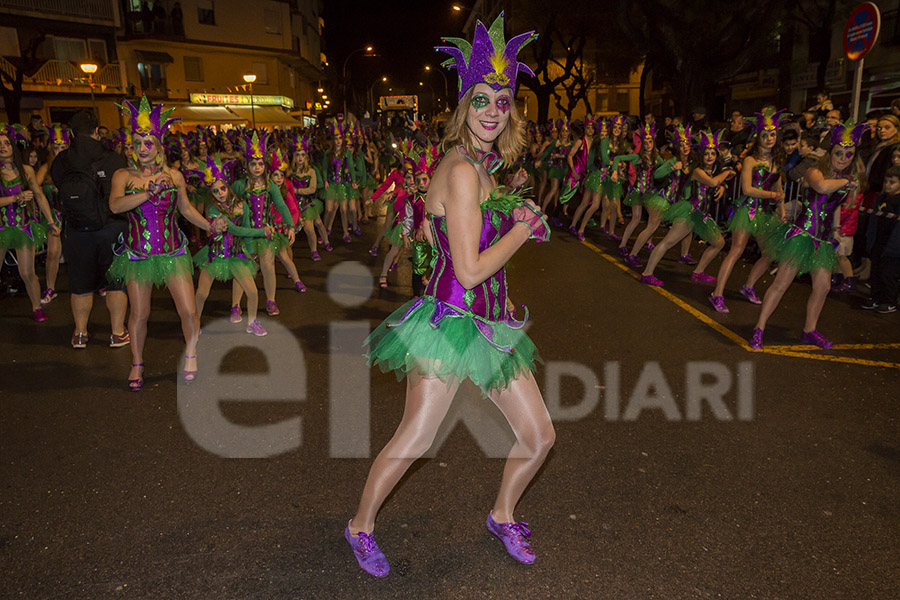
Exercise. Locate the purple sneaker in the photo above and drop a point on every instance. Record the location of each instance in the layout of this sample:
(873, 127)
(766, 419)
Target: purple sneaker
(622, 250)
(357, 232)
(749, 294)
(369, 556)
(756, 339)
(298, 285)
(718, 303)
(256, 329)
(373, 250)
(612, 235)
(652, 280)
(515, 537)
(48, 295)
(687, 259)
(347, 239)
(39, 315)
(235, 314)
(580, 236)
(650, 246)
(316, 257)
(702, 278)
(633, 262)
(272, 308)
(328, 247)
(603, 230)
(572, 230)
(816, 339)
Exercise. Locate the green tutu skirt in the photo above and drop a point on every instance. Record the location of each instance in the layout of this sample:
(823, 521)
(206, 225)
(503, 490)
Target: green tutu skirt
(156, 270)
(611, 189)
(34, 235)
(594, 181)
(371, 182)
(278, 242)
(756, 226)
(225, 269)
(634, 198)
(556, 172)
(703, 225)
(788, 245)
(395, 235)
(313, 211)
(653, 201)
(452, 349)
(339, 192)
(421, 257)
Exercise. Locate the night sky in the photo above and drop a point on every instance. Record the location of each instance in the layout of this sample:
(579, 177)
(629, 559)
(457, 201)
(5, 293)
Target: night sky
(404, 41)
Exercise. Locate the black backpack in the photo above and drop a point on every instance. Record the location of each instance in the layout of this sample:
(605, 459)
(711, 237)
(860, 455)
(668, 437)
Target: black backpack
(81, 196)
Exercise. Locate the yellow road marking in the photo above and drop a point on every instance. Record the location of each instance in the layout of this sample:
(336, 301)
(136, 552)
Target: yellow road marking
(783, 350)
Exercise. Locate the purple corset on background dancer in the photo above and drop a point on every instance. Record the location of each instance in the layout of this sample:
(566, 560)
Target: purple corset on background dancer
(304, 201)
(817, 216)
(153, 228)
(17, 214)
(762, 179)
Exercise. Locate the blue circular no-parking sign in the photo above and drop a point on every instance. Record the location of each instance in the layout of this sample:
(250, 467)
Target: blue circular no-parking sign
(861, 30)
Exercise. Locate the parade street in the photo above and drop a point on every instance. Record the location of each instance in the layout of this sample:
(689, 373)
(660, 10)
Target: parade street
(685, 466)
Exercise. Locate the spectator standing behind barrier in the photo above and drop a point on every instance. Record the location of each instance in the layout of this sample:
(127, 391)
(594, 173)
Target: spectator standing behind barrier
(83, 176)
(883, 241)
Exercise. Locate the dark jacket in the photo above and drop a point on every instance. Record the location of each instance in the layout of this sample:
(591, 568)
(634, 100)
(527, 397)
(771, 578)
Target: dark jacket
(883, 233)
(81, 154)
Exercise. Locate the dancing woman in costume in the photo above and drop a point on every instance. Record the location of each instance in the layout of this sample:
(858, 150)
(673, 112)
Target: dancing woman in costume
(558, 164)
(304, 180)
(19, 230)
(339, 172)
(278, 167)
(580, 158)
(692, 215)
(808, 245)
(463, 326)
(394, 233)
(393, 183)
(59, 139)
(590, 195)
(760, 208)
(672, 175)
(263, 199)
(613, 152)
(641, 194)
(155, 251)
(224, 257)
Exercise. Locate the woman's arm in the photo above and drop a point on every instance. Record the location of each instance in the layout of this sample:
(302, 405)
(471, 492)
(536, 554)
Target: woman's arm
(39, 197)
(816, 180)
(575, 147)
(703, 177)
(747, 181)
(463, 214)
(120, 202)
(665, 169)
(311, 188)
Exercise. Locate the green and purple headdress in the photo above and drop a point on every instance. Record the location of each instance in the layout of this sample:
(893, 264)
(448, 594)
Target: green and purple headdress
(210, 173)
(148, 120)
(847, 134)
(336, 127)
(301, 143)
(14, 131)
(769, 119)
(255, 147)
(488, 59)
(590, 121)
(123, 136)
(562, 124)
(57, 134)
(276, 161)
(680, 134)
(200, 136)
(642, 135)
(619, 120)
(708, 139)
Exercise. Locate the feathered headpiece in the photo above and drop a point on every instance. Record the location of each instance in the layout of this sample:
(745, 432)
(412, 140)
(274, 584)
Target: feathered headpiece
(769, 119)
(57, 134)
(210, 173)
(708, 139)
(680, 134)
(200, 136)
(562, 124)
(590, 121)
(644, 134)
(602, 125)
(423, 160)
(301, 143)
(255, 147)
(123, 136)
(488, 59)
(146, 120)
(619, 120)
(336, 127)
(276, 161)
(14, 131)
(847, 134)
(175, 145)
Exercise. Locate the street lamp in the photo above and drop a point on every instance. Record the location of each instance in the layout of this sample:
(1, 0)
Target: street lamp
(250, 78)
(344, 71)
(446, 87)
(89, 69)
(370, 95)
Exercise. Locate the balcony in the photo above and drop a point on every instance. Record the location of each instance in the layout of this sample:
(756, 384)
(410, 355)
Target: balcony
(63, 76)
(96, 12)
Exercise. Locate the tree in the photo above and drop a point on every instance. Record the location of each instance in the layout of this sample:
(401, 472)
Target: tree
(698, 44)
(11, 84)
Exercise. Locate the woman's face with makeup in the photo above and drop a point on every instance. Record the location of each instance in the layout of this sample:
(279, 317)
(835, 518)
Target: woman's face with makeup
(488, 113)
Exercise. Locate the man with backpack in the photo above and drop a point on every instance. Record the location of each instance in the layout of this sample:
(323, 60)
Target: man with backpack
(83, 176)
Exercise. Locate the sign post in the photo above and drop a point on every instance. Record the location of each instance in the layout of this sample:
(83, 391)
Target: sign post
(859, 37)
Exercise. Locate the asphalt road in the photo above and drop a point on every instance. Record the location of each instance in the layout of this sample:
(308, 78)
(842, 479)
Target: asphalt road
(782, 484)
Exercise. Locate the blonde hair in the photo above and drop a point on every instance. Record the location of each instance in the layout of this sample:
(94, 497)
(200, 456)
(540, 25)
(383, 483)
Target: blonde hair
(160, 158)
(509, 143)
(857, 169)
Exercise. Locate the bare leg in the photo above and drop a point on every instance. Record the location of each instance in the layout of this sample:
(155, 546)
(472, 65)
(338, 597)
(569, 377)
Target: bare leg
(783, 280)
(236, 294)
(522, 405)
(759, 267)
(821, 285)
(427, 402)
(204, 284)
(286, 256)
(25, 258)
(54, 251)
(267, 266)
(686, 244)
(249, 286)
(330, 211)
(586, 198)
(309, 230)
(675, 234)
(653, 219)
(389, 258)
(551, 194)
(739, 239)
(81, 310)
(117, 305)
(614, 214)
(345, 217)
(323, 232)
(598, 203)
(182, 292)
(139, 298)
(843, 264)
(636, 212)
(710, 253)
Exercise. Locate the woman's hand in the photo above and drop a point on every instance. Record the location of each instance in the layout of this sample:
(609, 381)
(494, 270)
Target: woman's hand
(614, 176)
(269, 231)
(519, 179)
(26, 196)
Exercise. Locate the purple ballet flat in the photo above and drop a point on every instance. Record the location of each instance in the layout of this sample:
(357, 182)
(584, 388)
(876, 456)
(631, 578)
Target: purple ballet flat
(652, 280)
(316, 257)
(749, 294)
(650, 246)
(515, 537)
(687, 259)
(756, 341)
(718, 303)
(580, 236)
(572, 230)
(816, 339)
(702, 278)
(373, 250)
(633, 262)
(369, 556)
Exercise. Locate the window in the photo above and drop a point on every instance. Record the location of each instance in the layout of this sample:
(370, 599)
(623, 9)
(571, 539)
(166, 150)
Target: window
(259, 68)
(97, 51)
(622, 102)
(153, 78)
(273, 21)
(193, 68)
(206, 14)
(71, 49)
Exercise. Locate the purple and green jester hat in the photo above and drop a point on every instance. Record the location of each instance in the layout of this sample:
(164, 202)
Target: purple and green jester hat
(847, 134)
(488, 59)
(770, 120)
(680, 134)
(14, 131)
(644, 134)
(255, 147)
(57, 134)
(147, 120)
(210, 173)
(708, 139)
